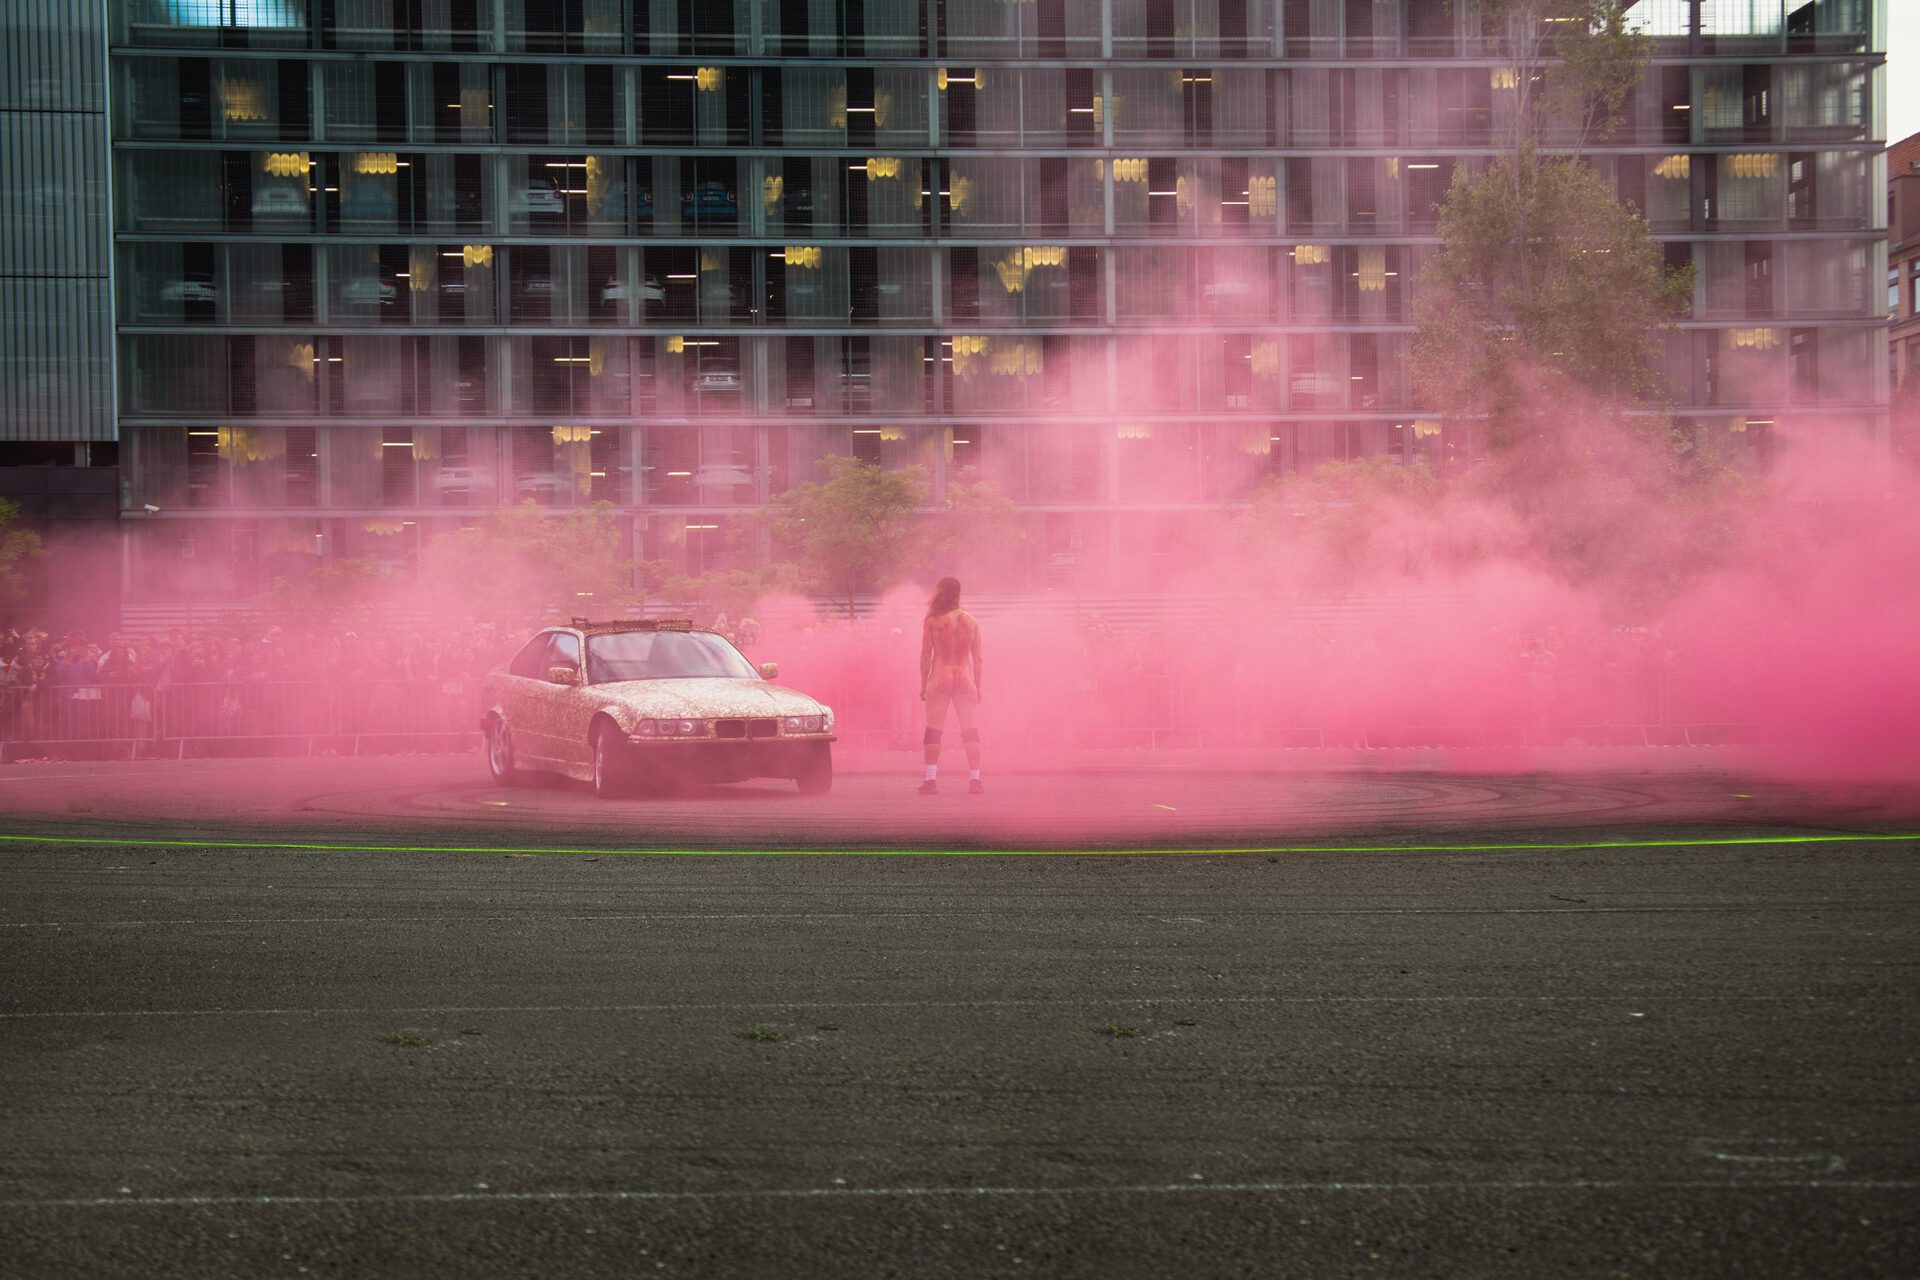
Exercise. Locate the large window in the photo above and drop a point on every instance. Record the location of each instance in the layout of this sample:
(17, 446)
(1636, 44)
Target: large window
(700, 465)
(264, 24)
(567, 26)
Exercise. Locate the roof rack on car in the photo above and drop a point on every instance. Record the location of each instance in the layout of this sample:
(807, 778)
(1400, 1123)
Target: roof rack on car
(634, 624)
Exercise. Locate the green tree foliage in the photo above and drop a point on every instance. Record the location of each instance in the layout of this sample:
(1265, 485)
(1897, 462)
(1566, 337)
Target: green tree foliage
(975, 532)
(731, 592)
(1573, 64)
(852, 531)
(528, 560)
(1541, 318)
(1544, 283)
(1544, 280)
(19, 549)
(1346, 521)
(332, 596)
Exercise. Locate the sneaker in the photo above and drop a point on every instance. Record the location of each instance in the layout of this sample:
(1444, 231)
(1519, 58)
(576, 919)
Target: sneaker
(929, 788)
(973, 787)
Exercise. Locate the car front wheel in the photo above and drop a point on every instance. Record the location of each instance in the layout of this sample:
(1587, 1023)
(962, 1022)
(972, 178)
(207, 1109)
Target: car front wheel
(609, 766)
(500, 753)
(816, 775)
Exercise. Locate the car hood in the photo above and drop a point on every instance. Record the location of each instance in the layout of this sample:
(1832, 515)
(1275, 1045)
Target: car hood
(675, 699)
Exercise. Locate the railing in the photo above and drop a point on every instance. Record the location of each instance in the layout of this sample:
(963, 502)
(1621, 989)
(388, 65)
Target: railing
(1605, 707)
(245, 717)
(1608, 707)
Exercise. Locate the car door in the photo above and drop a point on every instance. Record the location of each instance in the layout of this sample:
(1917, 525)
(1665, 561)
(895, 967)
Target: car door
(572, 705)
(528, 694)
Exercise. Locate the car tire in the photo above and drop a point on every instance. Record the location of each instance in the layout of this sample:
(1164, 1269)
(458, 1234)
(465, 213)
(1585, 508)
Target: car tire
(500, 753)
(816, 775)
(610, 772)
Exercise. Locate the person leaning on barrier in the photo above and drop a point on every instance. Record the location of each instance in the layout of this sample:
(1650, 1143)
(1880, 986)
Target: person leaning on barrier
(117, 662)
(32, 674)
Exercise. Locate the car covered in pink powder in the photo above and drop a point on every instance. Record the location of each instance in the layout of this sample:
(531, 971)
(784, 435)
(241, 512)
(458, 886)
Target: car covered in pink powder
(646, 704)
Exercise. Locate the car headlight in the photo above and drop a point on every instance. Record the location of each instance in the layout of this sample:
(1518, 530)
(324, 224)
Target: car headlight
(806, 724)
(671, 729)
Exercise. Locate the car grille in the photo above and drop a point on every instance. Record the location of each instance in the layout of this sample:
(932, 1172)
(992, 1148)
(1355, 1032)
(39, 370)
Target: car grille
(745, 728)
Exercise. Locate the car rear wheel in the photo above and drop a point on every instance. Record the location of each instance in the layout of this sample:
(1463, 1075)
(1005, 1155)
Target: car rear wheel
(816, 775)
(500, 753)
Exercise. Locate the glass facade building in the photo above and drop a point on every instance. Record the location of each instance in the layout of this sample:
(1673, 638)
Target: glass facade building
(381, 264)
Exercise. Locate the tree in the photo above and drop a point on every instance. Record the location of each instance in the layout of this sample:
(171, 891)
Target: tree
(1344, 522)
(1541, 316)
(1545, 286)
(728, 591)
(530, 559)
(332, 596)
(975, 530)
(1544, 283)
(852, 531)
(1571, 65)
(19, 549)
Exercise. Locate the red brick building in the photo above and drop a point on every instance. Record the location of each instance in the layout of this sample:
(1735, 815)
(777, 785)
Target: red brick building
(1903, 292)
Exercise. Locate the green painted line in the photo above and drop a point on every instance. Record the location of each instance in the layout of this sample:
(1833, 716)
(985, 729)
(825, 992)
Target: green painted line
(1518, 847)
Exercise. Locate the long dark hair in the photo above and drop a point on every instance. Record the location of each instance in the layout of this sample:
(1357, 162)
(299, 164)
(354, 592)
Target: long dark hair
(946, 597)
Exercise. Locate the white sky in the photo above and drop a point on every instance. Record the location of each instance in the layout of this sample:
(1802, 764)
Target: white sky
(1903, 69)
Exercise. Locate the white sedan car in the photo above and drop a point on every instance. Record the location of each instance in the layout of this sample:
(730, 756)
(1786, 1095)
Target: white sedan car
(624, 704)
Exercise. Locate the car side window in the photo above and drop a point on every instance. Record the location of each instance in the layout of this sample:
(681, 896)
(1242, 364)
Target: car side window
(531, 661)
(564, 651)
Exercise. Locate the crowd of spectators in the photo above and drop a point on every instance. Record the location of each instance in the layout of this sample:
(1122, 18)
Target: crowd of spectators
(238, 653)
(1084, 677)
(238, 678)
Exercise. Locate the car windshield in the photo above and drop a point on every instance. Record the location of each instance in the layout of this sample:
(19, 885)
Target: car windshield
(664, 655)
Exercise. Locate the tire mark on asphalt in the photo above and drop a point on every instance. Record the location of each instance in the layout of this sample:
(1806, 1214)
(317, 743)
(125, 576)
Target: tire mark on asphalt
(1050, 911)
(1054, 1002)
(129, 1200)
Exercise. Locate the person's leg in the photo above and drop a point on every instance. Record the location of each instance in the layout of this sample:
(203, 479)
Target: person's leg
(937, 704)
(967, 708)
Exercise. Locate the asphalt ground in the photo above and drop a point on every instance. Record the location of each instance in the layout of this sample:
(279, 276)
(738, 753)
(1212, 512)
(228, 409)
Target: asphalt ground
(1676, 1036)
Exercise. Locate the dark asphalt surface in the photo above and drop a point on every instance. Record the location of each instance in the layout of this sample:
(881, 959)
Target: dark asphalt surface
(1693, 1060)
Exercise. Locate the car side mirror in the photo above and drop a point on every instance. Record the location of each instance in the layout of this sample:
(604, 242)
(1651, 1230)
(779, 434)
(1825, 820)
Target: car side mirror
(563, 675)
(769, 671)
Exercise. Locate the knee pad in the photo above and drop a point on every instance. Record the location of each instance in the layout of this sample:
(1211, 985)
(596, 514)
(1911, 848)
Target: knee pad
(931, 738)
(970, 735)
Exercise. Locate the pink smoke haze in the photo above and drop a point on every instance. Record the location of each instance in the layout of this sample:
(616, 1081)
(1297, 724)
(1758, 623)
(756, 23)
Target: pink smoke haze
(1565, 596)
(1449, 626)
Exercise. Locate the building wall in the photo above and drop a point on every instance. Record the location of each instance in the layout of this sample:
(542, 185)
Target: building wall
(1903, 261)
(383, 264)
(56, 313)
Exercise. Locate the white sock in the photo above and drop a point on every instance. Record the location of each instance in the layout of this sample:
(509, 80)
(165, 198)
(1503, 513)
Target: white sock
(973, 775)
(933, 771)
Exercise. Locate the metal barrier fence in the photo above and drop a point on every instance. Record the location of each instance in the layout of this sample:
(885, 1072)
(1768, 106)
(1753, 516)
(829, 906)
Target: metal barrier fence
(1614, 708)
(241, 717)
(1673, 706)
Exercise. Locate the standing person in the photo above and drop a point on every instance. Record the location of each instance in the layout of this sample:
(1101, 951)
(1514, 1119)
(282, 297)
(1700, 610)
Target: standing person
(950, 676)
